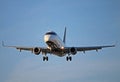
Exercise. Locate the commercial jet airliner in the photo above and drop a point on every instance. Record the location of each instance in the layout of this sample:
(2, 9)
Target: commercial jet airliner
(57, 47)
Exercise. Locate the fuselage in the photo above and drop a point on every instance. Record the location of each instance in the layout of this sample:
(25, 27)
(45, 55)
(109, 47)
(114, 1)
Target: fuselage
(53, 42)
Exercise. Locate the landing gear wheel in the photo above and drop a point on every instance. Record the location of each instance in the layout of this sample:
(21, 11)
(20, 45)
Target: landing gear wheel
(45, 58)
(68, 58)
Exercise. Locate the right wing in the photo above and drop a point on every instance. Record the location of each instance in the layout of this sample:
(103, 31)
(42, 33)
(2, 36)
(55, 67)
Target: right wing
(74, 50)
(93, 48)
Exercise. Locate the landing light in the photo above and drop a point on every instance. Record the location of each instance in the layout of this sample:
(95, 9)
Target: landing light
(62, 48)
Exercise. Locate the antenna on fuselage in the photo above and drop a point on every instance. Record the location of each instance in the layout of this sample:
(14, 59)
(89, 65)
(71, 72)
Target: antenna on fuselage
(64, 38)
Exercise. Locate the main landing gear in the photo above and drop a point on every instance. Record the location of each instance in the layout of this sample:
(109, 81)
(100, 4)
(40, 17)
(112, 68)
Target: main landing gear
(68, 58)
(45, 58)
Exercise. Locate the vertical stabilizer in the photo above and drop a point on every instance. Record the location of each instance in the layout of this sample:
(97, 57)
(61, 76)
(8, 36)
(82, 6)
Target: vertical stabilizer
(64, 38)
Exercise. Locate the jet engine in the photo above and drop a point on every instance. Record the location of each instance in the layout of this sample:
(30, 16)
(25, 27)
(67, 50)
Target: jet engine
(36, 51)
(73, 50)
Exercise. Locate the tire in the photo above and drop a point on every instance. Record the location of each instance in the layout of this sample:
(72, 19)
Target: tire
(67, 58)
(70, 58)
(44, 58)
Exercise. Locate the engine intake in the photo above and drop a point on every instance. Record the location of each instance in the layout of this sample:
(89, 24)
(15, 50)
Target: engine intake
(73, 50)
(37, 51)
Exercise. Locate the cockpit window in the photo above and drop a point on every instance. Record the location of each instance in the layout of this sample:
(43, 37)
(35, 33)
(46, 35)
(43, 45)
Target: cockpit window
(50, 33)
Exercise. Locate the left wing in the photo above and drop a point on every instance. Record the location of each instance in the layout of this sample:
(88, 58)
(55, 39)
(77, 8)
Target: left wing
(35, 50)
(18, 47)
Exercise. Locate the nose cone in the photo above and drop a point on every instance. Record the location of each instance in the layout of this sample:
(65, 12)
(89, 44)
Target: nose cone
(47, 38)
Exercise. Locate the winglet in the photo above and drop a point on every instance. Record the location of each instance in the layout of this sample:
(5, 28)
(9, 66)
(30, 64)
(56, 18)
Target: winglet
(115, 43)
(3, 44)
(64, 38)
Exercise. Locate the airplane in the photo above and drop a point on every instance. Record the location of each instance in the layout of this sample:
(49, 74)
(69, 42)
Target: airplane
(56, 46)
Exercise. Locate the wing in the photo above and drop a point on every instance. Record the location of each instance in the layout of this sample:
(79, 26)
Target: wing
(18, 47)
(92, 48)
(83, 49)
(66, 50)
(32, 49)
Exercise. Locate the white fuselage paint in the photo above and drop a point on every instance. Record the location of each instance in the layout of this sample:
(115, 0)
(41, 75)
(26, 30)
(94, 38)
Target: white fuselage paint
(57, 41)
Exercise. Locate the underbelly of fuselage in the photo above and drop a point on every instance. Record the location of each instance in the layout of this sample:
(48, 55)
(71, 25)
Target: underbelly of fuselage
(51, 44)
(60, 54)
(55, 49)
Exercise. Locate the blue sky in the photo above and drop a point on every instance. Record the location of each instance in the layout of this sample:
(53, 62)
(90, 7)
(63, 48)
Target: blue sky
(88, 22)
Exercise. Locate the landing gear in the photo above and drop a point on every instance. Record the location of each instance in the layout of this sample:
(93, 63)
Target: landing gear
(45, 58)
(69, 58)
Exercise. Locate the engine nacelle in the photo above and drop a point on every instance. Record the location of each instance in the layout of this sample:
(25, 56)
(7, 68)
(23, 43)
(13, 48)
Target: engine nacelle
(73, 50)
(36, 51)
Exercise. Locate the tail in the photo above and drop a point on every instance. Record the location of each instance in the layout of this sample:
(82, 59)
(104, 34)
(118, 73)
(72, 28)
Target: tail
(64, 38)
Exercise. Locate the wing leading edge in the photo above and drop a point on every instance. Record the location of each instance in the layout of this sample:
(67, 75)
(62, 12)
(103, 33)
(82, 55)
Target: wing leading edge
(74, 50)
(93, 48)
(32, 49)
(18, 47)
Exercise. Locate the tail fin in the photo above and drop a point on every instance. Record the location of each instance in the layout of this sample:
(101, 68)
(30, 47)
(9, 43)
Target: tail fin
(64, 38)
